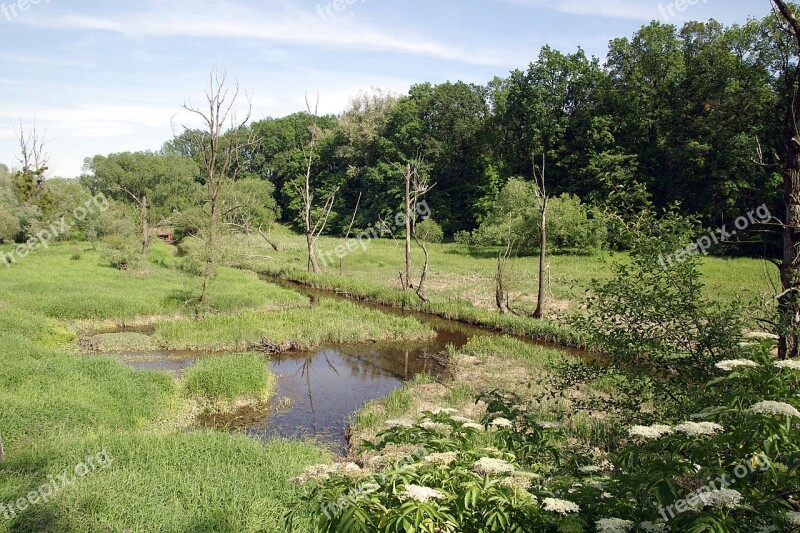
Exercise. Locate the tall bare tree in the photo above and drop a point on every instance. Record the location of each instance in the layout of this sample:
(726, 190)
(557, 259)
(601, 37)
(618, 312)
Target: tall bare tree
(542, 200)
(501, 291)
(219, 145)
(416, 187)
(314, 225)
(33, 159)
(789, 299)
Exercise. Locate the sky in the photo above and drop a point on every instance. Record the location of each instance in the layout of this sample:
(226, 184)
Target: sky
(108, 76)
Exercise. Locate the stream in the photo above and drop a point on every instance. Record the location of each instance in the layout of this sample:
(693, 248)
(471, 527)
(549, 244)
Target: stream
(318, 391)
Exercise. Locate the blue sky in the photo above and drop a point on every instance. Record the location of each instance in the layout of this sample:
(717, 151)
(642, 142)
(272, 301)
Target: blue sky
(108, 76)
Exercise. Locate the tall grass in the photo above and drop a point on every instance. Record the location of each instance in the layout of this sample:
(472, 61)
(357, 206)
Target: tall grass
(50, 283)
(226, 379)
(57, 407)
(329, 322)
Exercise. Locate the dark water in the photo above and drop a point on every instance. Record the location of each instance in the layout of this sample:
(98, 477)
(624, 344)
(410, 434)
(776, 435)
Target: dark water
(318, 391)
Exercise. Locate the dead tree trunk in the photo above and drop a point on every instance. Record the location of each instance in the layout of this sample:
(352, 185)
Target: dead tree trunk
(789, 299)
(424, 276)
(407, 285)
(313, 229)
(542, 199)
(220, 151)
(145, 228)
(2, 450)
(500, 291)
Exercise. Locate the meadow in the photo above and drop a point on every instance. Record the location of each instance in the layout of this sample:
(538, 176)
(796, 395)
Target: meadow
(60, 405)
(461, 281)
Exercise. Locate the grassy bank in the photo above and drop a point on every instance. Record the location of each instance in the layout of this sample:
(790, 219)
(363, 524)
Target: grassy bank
(461, 281)
(58, 407)
(328, 322)
(55, 284)
(220, 383)
(483, 365)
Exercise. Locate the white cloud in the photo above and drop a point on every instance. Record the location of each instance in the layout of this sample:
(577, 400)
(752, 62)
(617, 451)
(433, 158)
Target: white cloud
(283, 23)
(619, 9)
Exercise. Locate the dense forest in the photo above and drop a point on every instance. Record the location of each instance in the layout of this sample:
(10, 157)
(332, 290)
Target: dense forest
(694, 114)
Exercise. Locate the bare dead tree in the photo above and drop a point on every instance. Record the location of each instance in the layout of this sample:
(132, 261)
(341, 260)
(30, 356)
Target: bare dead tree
(33, 159)
(313, 228)
(219, 145)
(542, 200)
(419, 188)
(501, 292)
(789, 298)
(141, 202)
(2, 450)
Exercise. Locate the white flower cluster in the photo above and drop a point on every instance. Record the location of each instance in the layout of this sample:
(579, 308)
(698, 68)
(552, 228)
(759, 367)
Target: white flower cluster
(420, 494)
(445, 411)
(518, 482)
(435, 426)
(699, 429)
(444, 459)
(652, 527)
(554, 505)
(402, 423)
(775, 408)
(501, 423)
(761, 336)
(472, 425)
(488, 466)
(651, 432)
(324, 472)
(732, 364)
(790, 364)
(549, 425)
(462, 419)
(793, 518)
(722, 499)
(614, 525)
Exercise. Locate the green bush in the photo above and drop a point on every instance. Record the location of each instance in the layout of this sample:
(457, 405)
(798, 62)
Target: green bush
(430, 231)
(733, 468)
(515, 217)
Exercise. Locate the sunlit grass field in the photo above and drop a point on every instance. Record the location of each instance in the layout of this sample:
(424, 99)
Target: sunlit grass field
(57, 406)
(462, 273)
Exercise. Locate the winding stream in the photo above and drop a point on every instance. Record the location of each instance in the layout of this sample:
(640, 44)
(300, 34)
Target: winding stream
(318, 391)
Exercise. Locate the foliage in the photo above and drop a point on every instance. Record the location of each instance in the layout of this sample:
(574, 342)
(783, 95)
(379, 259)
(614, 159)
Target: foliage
(514, 472)
(515, 218)
(430, 231)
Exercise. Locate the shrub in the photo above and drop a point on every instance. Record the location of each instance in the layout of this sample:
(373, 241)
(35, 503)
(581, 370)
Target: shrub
(733, 468)
(429, 231)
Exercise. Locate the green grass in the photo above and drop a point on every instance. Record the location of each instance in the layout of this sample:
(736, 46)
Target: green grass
(57, 407)
(226, 379)
(461, 281)
(48, 282)
(198, 481)
(329, 322)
